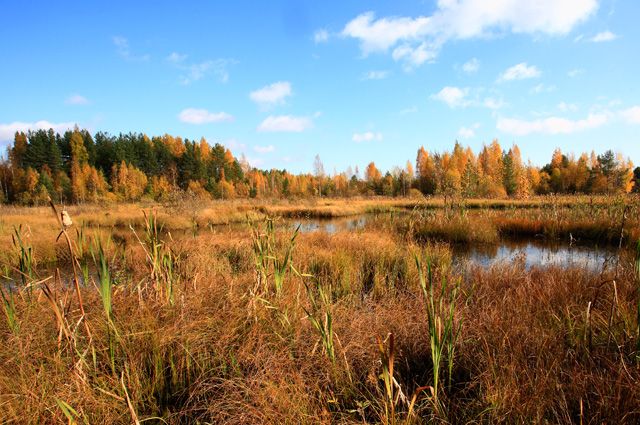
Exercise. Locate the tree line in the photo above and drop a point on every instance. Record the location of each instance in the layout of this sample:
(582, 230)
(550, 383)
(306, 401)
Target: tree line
(77, 167)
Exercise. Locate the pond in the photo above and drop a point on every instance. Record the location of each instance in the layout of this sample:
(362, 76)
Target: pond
(537, 253)
(534, 252)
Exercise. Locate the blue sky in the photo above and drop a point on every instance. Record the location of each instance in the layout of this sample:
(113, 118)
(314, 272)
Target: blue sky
(282, 81)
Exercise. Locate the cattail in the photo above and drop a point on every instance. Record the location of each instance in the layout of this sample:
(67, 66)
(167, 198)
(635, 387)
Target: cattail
(66, 219)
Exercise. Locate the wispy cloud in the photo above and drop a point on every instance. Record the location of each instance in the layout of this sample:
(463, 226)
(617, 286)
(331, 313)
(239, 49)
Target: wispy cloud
(454, 97)
(234, 144)
(551, 125)
(463, 97)
(409, 110)
(272, 94)
(195, 71)
(202, 116)
(493, 103)
(631, 115)
(321, 36)
(375, 75)
(567, 107)
(8, 131)
(367, 136)
(602, 37)
(124, 51)
(471, 66)
(415, 40)
(542, 88)
(414, 56)
(76, 99)
(176, 57)
(572, 73)
(468, 132)
(264, 149)
(521, 71)
(285, 124)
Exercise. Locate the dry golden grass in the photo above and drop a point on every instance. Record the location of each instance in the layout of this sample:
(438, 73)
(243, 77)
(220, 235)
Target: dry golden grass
(536, 345)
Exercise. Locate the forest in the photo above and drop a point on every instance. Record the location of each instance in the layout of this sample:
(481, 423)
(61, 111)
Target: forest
(76, 167)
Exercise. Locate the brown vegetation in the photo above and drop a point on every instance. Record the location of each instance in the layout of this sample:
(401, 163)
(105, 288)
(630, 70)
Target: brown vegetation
(194, 327)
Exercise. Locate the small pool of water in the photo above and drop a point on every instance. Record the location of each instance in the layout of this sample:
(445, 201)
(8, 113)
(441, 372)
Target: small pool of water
(537, 253)
(531, 252)
(331, 226)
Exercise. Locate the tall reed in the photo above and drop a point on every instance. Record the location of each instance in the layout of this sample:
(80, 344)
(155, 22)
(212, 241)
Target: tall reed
(443, 329)
(105, 284)
(321, 317)
(261, 250)
(9, 309)
(282, 265)
(268, 261)
(105, 289)
(26, 261)
(160, 259)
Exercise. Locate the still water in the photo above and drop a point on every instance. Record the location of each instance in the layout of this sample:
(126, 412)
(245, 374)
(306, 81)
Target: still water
(534, 252)
(537, 253)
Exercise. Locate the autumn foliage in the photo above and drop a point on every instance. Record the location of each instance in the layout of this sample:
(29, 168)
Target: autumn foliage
(78, 167)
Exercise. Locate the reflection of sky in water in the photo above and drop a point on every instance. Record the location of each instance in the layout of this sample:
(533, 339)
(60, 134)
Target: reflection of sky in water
(537, 254)
(330, 226)
(533, 253)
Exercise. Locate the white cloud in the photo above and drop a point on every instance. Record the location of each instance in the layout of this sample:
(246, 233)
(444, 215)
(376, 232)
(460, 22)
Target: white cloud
(575, 72)
(123, 49)
(176, 57)
(456, 97)
(321, 36)
(551, 125)
(603, 36)
(367, 136)
(631, 115)
(376, 75)
(415, 40)
(234, 144)
(272, 94)
(471, 66)
(264, 149)
(380, 35)
(542, 88)
(202, 116)
(285, 123)
(466, 133)
(520, 71)
(409, 110)
(473, 18)
(493, 103)
(414, 56)
(567, 107)
(452, 96)
(197, 71)
(76, 99)
(8, 131)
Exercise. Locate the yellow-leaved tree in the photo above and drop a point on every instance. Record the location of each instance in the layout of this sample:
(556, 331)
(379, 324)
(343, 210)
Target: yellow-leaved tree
(128, 182)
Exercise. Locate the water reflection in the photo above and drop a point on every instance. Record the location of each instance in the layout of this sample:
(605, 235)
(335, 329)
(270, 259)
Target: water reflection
(531, 252)
(331, 226)
(537, 253)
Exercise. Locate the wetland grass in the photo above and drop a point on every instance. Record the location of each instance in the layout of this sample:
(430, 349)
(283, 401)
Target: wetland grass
(185, 340)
